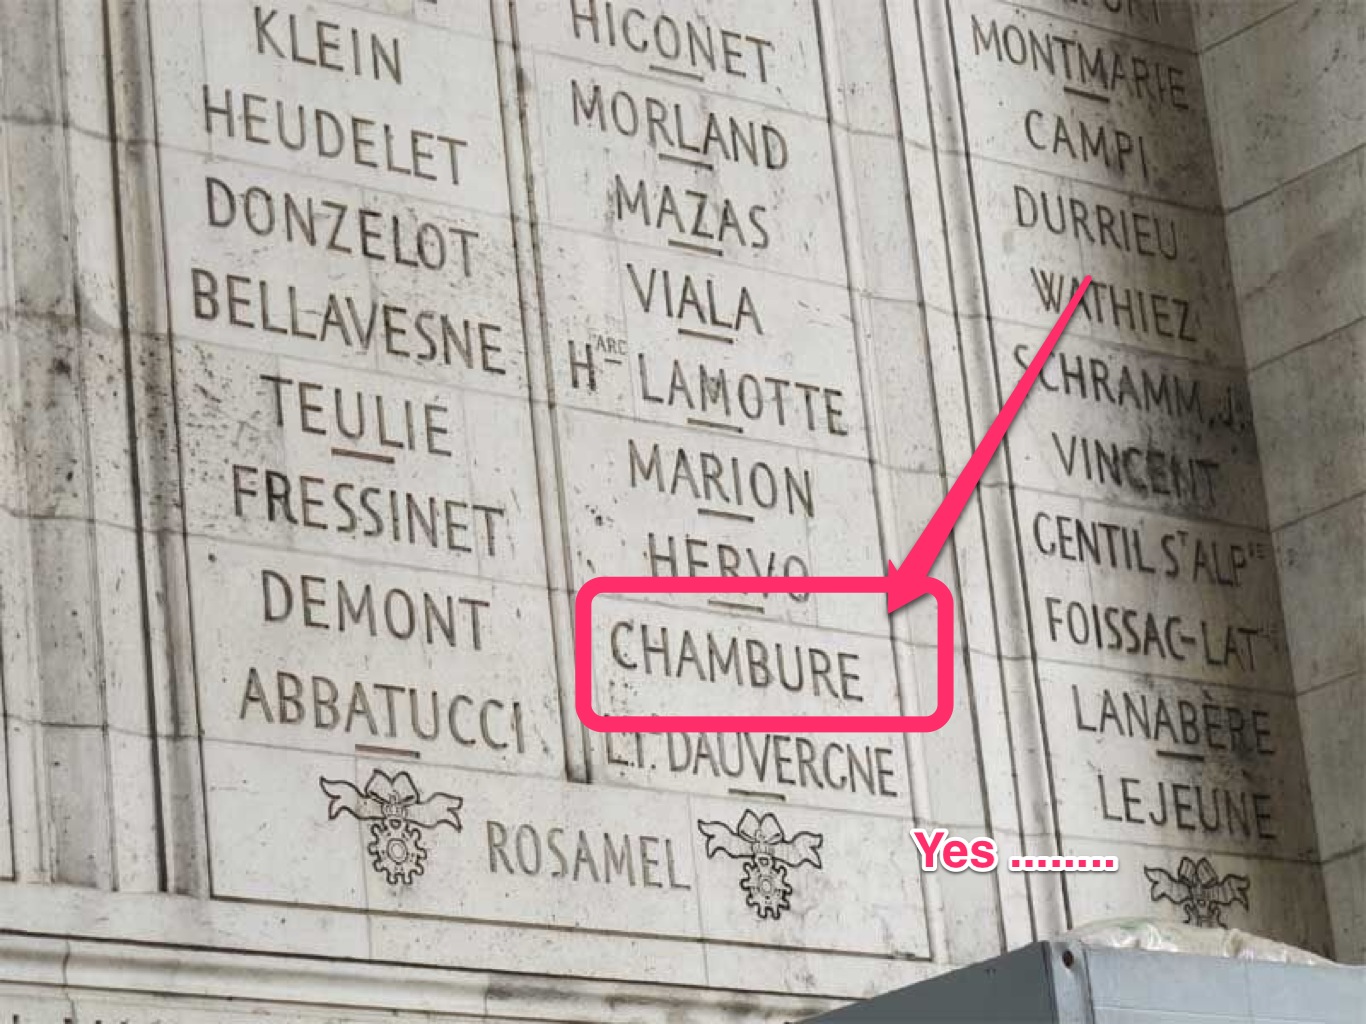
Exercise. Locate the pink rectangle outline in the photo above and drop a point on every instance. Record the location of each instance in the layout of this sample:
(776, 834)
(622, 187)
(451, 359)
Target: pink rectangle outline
(583, 655)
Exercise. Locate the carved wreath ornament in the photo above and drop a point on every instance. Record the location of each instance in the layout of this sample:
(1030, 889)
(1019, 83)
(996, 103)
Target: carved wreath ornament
(399, 816)
(1198, 890)
(765, 853)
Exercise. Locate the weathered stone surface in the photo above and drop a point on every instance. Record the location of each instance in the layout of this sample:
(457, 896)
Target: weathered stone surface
(346, 340)
(1289, 129)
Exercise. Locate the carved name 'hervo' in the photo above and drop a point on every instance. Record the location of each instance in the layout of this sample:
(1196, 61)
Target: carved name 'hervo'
(766, 853)
(399, 815)
(1198, 890)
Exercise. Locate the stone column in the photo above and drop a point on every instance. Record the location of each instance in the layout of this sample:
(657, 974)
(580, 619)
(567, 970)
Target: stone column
(78, 564)
(1285, 84)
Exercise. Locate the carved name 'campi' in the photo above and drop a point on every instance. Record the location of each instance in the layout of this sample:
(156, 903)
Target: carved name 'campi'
(1086, 142)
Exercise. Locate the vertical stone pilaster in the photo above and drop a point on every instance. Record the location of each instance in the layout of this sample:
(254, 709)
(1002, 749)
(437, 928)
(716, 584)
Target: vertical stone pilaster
(1284, 83)
(83, 777)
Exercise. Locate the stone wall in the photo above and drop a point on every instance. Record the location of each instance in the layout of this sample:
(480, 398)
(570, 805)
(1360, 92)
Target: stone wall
(1285, 83)
(345, 340)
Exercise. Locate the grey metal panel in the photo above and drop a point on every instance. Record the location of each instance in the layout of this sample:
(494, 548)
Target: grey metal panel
(1133, 986)
(1070, 975)
(1286, 992)
(1163, 1017)
(1063, 983)
(1175, 982)
(1013, 988)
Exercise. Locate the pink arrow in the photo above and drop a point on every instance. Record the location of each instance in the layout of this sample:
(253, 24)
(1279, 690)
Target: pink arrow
(906, 583)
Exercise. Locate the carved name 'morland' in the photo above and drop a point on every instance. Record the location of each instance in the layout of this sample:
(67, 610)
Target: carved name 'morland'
(669, 127)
